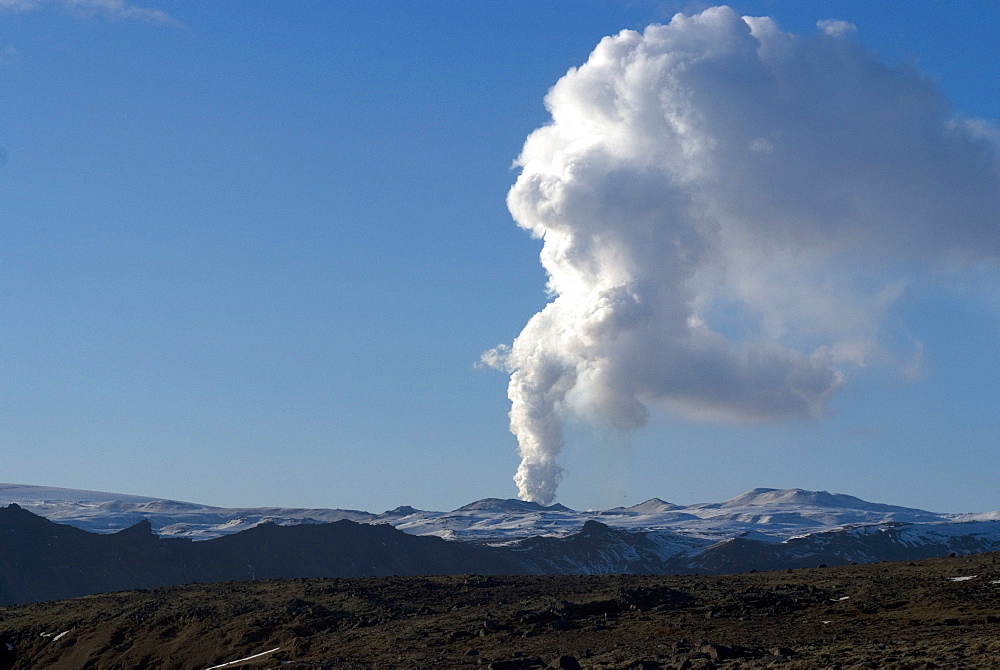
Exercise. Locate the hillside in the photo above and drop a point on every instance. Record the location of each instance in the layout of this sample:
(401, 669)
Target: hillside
(42, 560)
(939, 613)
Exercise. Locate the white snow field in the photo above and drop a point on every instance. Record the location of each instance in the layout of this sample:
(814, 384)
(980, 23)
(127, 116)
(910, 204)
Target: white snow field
(763, 514)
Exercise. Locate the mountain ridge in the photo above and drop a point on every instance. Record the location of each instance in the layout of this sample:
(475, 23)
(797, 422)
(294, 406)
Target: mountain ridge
(764, 514)
(44, 560)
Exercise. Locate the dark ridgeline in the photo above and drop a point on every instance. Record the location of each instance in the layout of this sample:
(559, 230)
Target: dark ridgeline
(41, 560)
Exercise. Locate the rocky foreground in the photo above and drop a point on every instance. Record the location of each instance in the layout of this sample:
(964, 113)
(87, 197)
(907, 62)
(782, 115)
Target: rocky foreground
(937, 613)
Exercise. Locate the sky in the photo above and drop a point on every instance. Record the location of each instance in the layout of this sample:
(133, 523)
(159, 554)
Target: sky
(253, 253)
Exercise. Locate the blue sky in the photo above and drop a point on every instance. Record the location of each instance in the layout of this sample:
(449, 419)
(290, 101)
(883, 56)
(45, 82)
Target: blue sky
(251, 252)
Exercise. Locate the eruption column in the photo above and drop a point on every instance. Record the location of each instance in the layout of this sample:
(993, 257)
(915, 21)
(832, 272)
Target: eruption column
(727, 213)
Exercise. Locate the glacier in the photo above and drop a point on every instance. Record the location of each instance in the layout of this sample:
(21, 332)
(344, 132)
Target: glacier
(762, 514)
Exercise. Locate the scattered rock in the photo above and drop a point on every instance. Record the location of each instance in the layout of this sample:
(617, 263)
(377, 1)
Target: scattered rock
(718, 652)
(781, 651)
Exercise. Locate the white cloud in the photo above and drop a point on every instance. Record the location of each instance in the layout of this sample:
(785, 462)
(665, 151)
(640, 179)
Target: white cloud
(728, 212)
(112, 10)
(19, 5)
(835, 27)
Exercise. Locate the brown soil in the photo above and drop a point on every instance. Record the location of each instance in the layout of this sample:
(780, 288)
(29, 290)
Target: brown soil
(888, 615)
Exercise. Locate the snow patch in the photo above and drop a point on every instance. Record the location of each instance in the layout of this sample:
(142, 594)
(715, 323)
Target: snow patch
(239, 661)
(55, 636)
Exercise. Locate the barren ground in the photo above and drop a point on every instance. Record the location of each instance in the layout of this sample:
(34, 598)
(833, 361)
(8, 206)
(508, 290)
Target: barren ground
(887, 615)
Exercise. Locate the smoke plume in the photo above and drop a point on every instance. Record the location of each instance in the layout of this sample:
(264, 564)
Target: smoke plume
(727, 213)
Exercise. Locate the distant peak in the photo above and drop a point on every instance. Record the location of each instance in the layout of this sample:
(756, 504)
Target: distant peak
(510, 505)
(651, 506)
(762, 496)
(402, 510)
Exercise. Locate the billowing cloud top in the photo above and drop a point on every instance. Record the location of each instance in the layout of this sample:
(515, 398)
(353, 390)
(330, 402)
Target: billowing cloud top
(727, 211)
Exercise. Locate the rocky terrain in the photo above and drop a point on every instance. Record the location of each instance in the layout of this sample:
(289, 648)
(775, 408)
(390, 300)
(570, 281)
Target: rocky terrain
(936, 613)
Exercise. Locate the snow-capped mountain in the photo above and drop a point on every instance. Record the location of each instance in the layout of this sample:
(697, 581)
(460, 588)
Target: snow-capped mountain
(102, 512)
(763, 529)
(770, 515)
